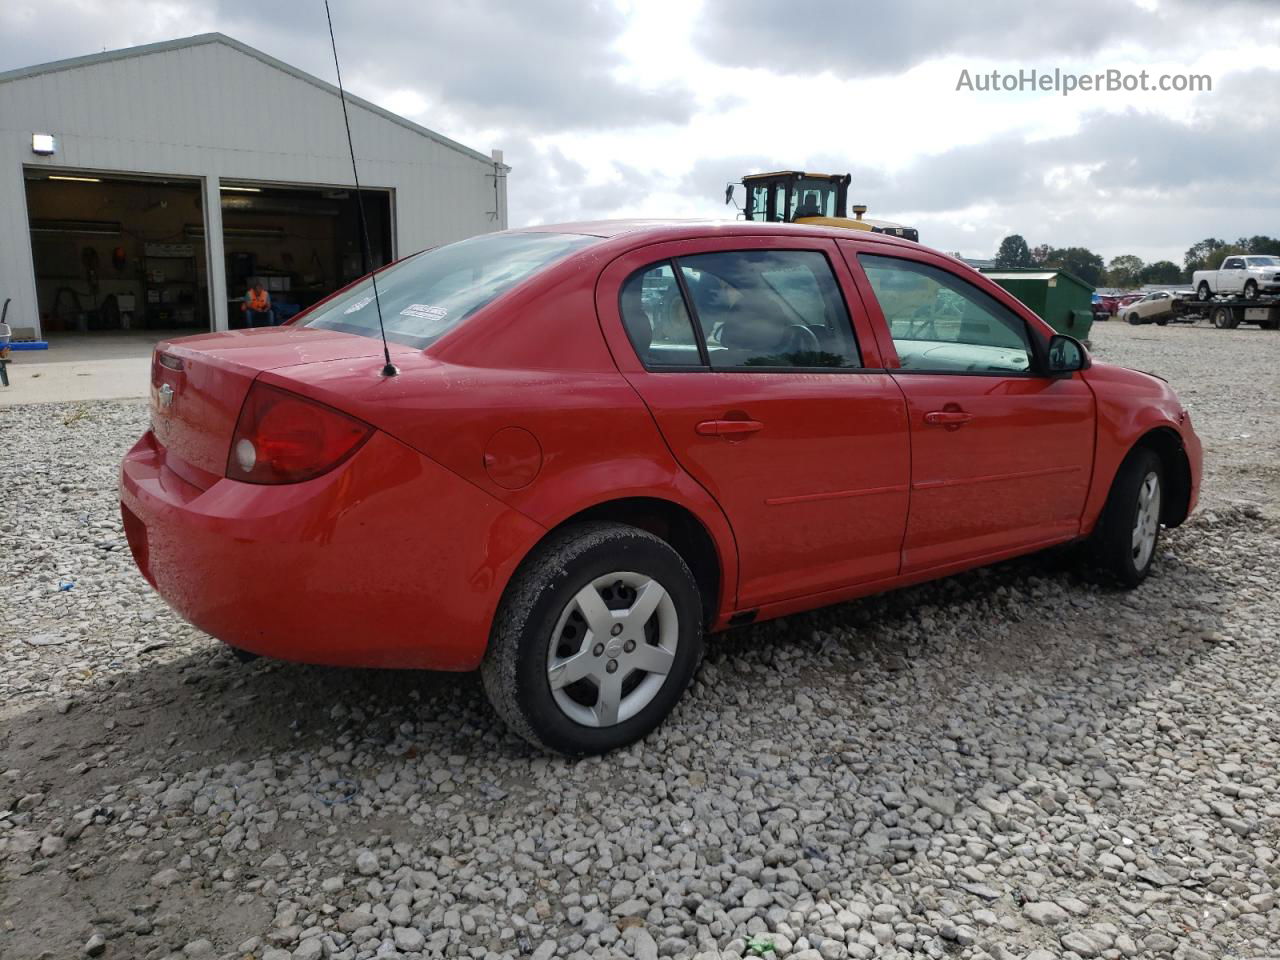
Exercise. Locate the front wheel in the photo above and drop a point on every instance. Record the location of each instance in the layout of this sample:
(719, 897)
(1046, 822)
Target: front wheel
(596, 639)
(1128, 532)
(1134, 319)
(1251, 290)
(1224, 318)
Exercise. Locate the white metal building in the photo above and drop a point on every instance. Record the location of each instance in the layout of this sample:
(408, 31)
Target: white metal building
(141, 187)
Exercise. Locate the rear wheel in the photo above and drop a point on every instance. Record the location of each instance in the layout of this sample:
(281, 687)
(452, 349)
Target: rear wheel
(1251, 290)
(597, 637)
(1134, 319)
(1203, 293)
(1223, 318)
(1128, 532)
(1162, 321)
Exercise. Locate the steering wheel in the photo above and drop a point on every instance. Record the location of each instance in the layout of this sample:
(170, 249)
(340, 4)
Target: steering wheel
(802, 338)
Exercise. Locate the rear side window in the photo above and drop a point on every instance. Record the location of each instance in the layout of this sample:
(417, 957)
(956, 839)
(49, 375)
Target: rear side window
(425, 296)
(745, 310)
(770, 308)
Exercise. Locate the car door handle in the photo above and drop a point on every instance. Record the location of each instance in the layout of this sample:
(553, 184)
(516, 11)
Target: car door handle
(947, 418)
(728, 428)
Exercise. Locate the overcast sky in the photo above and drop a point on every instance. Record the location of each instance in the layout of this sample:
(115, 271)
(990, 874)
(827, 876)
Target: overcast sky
(647, 108)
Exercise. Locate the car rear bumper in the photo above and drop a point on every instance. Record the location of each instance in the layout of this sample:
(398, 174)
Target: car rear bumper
(390, 560)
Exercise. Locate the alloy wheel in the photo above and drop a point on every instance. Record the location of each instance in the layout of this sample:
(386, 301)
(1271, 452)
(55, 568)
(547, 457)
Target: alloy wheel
(612, 648)
(1146, 523)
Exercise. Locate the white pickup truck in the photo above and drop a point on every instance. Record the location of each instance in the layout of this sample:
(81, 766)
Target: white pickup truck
(1245, 275)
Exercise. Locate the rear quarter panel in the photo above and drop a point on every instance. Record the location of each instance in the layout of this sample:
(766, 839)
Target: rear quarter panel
(535, 361)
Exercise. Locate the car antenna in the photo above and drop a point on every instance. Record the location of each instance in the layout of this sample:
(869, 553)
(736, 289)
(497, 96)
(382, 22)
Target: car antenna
(389, 369)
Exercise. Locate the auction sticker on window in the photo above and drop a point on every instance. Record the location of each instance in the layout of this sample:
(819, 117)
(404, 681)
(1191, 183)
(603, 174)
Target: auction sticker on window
(424, 311)
(359, 305)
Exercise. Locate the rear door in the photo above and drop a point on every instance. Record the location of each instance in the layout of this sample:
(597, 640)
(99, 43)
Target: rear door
(773, 397)
(1001, 457)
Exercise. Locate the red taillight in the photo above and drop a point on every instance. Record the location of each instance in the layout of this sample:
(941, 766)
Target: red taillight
(284, 438)
(165, 360)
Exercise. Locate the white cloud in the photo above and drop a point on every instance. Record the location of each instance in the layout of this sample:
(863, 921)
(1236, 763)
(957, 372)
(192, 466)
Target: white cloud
(646, 107)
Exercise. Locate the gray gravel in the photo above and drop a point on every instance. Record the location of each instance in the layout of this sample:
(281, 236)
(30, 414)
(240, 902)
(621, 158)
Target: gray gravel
(1019, 762)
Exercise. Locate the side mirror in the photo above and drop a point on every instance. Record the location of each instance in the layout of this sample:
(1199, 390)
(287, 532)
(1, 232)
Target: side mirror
(728, 193)
(1066, 355)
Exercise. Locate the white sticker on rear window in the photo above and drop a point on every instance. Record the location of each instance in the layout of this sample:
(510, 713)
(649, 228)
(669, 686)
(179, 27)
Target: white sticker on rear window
(424, 311)
(359, 305)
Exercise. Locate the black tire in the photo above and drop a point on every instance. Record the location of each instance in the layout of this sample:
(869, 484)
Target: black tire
(1113, 540)
(1251, 289)
(1133, 319)
(1270, 324)
(1162, 321)
(542, 593)
(1223, 318)
(1203, 293)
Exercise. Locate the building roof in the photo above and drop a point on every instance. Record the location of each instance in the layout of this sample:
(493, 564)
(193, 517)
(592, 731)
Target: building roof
(165, 46)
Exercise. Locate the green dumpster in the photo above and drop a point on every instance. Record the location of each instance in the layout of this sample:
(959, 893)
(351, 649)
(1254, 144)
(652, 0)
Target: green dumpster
(1059, 298)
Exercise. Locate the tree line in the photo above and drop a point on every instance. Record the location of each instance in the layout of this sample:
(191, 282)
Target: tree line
(1127, 271)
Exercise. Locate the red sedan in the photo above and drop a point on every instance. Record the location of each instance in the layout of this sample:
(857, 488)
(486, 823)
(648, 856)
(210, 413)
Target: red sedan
(606, 439)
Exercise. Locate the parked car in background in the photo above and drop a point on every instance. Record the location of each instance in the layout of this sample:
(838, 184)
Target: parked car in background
(1104, 306)
(1154, 308)
(1248, 276)
(604, 440)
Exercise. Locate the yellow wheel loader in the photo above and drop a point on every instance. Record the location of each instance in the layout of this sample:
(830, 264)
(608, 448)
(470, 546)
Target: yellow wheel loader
(793, 196)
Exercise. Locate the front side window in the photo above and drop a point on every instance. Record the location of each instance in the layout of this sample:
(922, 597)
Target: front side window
(770, 308)
(759, 201)
(943, 324)
(425, 296)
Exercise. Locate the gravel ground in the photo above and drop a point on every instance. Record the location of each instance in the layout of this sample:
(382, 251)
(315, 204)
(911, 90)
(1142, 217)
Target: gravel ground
(1018, 762)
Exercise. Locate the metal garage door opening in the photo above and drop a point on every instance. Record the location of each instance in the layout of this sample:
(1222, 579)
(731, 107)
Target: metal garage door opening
(303, 243)
(117, 258)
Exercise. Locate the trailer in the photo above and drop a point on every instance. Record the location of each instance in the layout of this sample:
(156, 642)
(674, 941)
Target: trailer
(1227, 313)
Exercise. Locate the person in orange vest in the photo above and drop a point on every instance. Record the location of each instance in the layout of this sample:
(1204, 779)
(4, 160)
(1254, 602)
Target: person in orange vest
(257, 305)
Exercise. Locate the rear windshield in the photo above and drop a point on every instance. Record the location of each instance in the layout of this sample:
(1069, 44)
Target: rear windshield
(430, 293)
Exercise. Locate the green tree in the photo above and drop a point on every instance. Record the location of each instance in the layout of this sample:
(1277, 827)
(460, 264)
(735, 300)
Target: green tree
(1040, 254)
(1197, 257)
(1214, 260)
(1262, 244)
(1162, 271)
(1123, 271)
(1081, 261)
(1013, 252)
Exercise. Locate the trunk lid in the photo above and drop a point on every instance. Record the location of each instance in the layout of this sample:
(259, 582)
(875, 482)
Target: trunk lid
(198, 385)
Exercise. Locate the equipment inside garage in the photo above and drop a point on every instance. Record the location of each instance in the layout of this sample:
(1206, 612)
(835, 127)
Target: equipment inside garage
(128, 253)
(303, 243)
(116, 253)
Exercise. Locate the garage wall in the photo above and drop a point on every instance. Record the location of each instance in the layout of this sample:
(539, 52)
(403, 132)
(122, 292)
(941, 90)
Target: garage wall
(213, 108)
